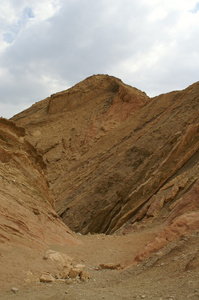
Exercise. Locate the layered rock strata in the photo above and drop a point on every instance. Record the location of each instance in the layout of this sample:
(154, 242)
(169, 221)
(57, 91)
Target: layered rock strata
(114, 156)
(27, 216)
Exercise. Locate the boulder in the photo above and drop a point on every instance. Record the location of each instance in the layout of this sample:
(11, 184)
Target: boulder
(58, 257)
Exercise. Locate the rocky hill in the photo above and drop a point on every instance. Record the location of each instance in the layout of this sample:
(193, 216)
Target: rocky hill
(116, 157)
(111, 161)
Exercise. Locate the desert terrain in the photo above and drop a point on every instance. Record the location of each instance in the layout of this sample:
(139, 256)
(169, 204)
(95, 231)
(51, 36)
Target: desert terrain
(107, 180)
(171, 273)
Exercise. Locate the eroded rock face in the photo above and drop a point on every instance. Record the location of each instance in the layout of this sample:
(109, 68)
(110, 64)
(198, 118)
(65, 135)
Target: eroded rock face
(27, 215)
(113, 155)
(183, 220)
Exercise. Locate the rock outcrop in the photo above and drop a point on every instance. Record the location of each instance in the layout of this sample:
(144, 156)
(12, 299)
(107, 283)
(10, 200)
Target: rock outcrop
(114, 156)
(27, 215)
(28, 221)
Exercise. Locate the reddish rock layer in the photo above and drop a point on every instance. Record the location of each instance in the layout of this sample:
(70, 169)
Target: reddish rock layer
(183, 220)
(115, 157)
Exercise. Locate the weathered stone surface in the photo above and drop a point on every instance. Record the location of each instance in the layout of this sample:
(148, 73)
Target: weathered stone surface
(84, 276)
(193, 263)
(80, 267)
(109, 149)
(74, 272)
(46, 278)
(28, 222)
(88, 111)
(27, 204)
(183, 220)
(155, 207)
(65, 272)
(172, 194)
(30, 277)
(58, 257)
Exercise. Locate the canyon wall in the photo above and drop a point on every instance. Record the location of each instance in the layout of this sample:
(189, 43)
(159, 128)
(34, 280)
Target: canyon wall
(114, 156)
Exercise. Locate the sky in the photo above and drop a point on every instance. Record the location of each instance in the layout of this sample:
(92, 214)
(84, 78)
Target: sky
(47, 46)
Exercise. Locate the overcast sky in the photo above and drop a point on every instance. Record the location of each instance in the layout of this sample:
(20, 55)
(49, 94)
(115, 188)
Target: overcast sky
(49, 45)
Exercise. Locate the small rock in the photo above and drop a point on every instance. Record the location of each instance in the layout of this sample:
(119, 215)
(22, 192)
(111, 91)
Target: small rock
(80, 267)
(84, 276)
(74, 273)
(61, 258)
(110, 266)
(14, 290)
(162, 264)
(46, 278)
(30, 277)
(65, 272)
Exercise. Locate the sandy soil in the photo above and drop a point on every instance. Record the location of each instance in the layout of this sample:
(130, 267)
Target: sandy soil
(172, 273)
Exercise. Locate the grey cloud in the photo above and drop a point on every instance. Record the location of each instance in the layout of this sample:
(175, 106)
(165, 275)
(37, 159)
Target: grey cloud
(89, 37)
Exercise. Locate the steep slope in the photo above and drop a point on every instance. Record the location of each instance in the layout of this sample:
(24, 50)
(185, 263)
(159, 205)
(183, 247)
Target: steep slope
(67, 126)
(28, 222)
(27, 205)
(115, 157)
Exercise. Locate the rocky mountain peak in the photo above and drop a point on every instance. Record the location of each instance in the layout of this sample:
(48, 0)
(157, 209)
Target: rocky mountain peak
(110, 149)
(111, 162)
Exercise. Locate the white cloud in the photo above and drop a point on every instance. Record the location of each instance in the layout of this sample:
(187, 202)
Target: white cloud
(15, 15)
(44, 9)
(48, 45)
